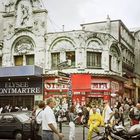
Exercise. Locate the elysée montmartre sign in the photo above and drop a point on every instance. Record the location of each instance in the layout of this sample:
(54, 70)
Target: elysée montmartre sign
(19, 88)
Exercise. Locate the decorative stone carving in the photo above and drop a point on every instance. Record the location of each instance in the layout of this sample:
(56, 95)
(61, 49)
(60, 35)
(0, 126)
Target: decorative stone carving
(37, 4)
(63, 45)
(24, 14)
(23, 47)
(9, 5)
(39, 27)
(9, 29)
(104, 37)
(94, 44)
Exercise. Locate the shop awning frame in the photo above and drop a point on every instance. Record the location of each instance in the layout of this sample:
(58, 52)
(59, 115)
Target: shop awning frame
(19, 71)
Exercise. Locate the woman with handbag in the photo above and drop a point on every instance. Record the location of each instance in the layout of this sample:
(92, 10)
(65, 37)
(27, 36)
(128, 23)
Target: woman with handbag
(38, 117)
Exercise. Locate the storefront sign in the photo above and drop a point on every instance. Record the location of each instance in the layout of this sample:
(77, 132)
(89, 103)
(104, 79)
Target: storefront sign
(54, 86)
(94, 95)
(100, 86)
(24, 87)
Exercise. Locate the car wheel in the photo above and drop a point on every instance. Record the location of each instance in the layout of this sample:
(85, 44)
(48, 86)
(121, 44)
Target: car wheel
(18, 136)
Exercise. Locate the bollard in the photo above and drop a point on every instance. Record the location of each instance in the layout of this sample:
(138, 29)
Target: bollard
(60, 126)
(83, 132)
(60, 123)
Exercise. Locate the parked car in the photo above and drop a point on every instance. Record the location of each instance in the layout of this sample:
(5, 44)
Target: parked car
(15, 125)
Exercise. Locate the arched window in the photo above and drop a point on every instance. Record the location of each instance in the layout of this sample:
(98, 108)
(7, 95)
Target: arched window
(94, 53)
(62, 52)
(114, 59)
(23, 52)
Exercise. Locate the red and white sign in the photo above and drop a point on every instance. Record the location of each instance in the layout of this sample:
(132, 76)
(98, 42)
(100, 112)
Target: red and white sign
(94, 95)
(53, 86)
(100, 84)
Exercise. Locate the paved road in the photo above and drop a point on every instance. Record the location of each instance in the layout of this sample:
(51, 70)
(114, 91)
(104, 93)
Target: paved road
(79, 132)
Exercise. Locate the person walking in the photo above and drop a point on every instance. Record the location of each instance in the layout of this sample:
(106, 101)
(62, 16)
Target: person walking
(49, 125)
(114, 117)
(38, 117)
(121, 112)
(107, 112)
(71, 123)
(95, 120)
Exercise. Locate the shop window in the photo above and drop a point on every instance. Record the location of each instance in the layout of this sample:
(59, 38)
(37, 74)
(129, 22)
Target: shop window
(55, 60)
(93, 59)
(0, 61)
(71, 56)
(18, 60)
(24, 60)
(29, 59)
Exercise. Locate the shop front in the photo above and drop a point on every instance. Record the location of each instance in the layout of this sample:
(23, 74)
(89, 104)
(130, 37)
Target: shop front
(52, 88)
(104, 88)
(85, 89)
(129, 89)
(96, 89)
(19, 89)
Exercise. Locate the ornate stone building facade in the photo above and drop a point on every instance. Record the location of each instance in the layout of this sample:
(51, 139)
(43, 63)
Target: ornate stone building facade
(22, 51)
(102, 52)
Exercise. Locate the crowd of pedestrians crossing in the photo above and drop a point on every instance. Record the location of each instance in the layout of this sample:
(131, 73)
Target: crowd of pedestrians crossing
(48, 114)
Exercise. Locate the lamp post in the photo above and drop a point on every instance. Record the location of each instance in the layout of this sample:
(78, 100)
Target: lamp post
(60, 121)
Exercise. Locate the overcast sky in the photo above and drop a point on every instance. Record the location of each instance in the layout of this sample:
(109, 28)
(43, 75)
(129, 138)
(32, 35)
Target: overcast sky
(72, 13)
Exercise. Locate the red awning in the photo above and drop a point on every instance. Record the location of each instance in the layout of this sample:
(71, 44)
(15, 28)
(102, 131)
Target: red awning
(81, 82)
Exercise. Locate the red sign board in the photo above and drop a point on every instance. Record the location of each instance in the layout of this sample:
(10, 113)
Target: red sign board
(81, 82)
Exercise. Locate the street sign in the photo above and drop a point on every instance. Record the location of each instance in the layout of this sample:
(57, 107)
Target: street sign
(63, 64)
(62, 74)
(63, 81)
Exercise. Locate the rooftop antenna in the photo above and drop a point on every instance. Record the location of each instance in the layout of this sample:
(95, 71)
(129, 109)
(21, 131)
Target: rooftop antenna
(108, 24)
(63, 28)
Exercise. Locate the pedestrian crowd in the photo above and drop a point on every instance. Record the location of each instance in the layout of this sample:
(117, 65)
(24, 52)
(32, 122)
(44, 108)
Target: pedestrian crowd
(93, 116)
(9, 108)
(47, 116)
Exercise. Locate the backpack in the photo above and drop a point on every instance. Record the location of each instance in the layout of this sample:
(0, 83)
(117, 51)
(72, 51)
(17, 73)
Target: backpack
(35, 125)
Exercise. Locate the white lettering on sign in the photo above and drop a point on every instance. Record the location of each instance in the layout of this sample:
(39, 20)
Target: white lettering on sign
(53, 86)
(100, 86)
(19, 88)
(16, 84)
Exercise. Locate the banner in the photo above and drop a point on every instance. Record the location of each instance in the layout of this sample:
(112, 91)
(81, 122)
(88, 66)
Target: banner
(81, 82)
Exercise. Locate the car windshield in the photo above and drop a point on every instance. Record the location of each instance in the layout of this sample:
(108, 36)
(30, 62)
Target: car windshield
(23, 117)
